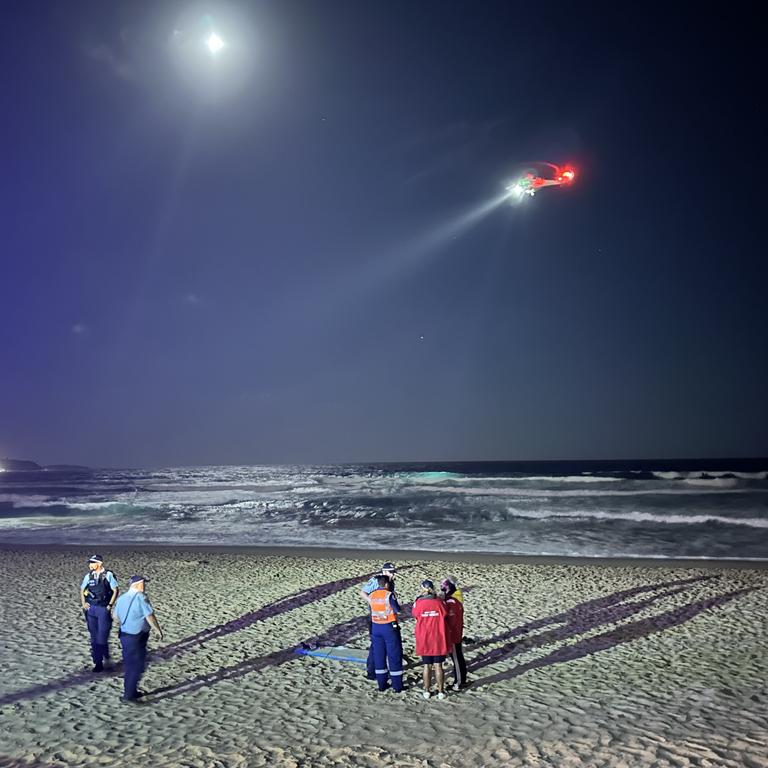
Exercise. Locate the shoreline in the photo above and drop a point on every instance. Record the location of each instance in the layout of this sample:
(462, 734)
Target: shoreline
(334, 553)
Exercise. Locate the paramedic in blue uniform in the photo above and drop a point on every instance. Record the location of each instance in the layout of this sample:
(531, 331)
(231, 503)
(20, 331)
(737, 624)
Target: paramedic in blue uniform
(98, 592)
(135, 616)
(370, 586)
(386, 643)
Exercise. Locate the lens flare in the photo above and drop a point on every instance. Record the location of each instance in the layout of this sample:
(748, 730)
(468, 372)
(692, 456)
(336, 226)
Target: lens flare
(214, 43)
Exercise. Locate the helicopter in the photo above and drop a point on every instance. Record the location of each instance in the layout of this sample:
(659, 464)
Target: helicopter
(539, 176)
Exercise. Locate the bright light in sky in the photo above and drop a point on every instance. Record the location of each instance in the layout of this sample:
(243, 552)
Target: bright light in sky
(516, 192)
(213, 56)
(214, 43)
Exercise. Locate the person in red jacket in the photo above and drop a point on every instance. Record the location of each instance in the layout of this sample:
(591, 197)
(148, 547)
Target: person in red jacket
(454, 619)
(431, 637)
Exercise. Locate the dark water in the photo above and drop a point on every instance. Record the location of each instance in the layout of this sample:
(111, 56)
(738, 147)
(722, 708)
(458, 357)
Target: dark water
(713, 509)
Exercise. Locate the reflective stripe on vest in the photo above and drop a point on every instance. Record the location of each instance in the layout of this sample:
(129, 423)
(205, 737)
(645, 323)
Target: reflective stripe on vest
(381, 607)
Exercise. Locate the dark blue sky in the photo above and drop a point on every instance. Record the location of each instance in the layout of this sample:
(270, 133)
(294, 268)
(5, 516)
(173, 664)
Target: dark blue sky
(271, 256)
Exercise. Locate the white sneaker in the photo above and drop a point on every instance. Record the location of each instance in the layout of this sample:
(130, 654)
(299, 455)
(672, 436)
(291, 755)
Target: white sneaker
(441, 695)
(426, 694)
(456, 687)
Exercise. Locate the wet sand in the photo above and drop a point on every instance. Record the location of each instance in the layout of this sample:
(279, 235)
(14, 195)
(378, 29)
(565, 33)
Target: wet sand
(573, 663)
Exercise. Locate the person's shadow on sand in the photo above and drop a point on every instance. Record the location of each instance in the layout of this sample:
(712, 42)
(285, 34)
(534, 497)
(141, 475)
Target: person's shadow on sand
(575, 621)
(581, 618)
(602, 642)
(338, 634)
(282, 605)
(275, 608)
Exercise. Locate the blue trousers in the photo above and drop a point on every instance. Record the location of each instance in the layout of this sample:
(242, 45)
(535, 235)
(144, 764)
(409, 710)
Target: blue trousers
(387, 648)
(134, 662)
(99, 621)
(370, 667)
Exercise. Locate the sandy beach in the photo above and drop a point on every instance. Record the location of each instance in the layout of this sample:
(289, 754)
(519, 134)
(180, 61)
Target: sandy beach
(572, 664)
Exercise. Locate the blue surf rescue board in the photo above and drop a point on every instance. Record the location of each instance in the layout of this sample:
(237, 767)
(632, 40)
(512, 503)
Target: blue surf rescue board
(335, 652)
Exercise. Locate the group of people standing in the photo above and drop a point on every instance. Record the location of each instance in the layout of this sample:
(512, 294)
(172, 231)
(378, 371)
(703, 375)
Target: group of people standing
(439, 632)
(439, 628)
(102, 602)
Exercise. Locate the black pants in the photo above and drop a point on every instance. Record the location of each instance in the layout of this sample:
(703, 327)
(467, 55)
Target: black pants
(459, 665)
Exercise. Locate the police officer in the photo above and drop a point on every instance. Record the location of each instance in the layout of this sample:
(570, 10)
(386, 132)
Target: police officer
(98, 592)
(386, 643)
(135, 615)
(369, 587)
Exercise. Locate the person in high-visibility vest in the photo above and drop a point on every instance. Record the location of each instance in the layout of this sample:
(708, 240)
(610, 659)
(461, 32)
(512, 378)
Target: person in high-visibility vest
(385, 636)
(388, 570)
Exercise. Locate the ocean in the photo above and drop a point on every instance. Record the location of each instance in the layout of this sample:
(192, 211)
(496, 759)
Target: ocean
(693, 509)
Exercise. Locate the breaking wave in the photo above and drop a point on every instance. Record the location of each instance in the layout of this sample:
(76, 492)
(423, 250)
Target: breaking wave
(486, 508)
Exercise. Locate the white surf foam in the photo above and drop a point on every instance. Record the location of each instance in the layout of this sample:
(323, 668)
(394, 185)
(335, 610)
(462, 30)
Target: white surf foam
(640, 517)
(569, 479)
(25, 500)
(577, 492)
(711, 482)
(710, 475)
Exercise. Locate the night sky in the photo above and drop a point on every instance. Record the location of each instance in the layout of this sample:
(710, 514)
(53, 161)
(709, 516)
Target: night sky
(286, 252)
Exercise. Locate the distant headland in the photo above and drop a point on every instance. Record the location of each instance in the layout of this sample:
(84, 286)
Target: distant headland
(24, 465)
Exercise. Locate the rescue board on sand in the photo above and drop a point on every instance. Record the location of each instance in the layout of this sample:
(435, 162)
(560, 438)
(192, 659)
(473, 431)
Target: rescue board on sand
(335, 652)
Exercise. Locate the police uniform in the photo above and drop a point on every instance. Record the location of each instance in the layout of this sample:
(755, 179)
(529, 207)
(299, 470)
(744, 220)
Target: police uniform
(98, 589)
(386, 642)
(132, 609)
